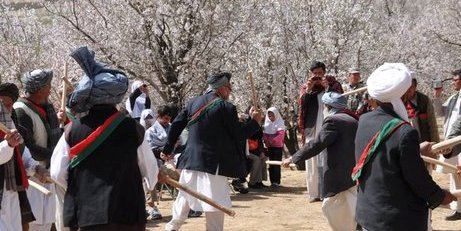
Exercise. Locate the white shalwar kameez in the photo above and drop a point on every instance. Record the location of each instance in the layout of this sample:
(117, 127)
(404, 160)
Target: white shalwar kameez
(210, 185)
(60, 163)
(10, 212)
(314, 164)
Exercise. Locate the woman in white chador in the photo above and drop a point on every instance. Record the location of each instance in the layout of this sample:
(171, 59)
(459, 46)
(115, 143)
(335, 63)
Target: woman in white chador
(138, 100)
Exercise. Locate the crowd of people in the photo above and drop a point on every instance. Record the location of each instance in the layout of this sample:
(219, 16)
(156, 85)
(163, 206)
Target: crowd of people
(361, 151)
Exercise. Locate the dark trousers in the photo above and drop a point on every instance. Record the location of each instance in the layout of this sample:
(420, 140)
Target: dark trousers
(112, 227)
(274, 170)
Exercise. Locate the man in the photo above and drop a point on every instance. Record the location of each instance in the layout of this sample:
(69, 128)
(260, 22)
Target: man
(138, 100)
(451, 111)
(336, 136)
(395, 189)
(310, 122)
(356, 100)
(213, 151)
(103, 156)
(15, 163)
(421, 113)
(40, 128)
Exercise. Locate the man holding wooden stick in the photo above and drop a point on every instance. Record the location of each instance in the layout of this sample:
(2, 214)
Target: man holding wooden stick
(395, 189)
(40, 128)
(103, 156)
(17, 164)
(213, 151)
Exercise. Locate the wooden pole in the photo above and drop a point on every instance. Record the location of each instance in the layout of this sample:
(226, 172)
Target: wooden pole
(450, 167)
(39, 187)
(64, 96)
(450, 143)
(456, 193)
(276, 162)
(254, 96)
(199, 196)
(359, 90)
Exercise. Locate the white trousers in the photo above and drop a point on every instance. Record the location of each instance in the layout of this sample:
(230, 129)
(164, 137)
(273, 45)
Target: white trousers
(340, 210)
(312, 177)
(43, 206)
(214, 220)
(60, 192)
(10, 213)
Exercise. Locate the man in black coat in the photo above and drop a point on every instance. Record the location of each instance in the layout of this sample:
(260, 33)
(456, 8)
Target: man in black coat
(213, 151)
(395, 189)
(336, 136)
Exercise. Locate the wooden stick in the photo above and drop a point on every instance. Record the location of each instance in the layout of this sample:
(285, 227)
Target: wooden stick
(446, 144)
(456, 193)
(39, 187)
(450, 167)
(253, 89)
(359, 90)
(64, 96)
(4, 129)
(276, 162)
(199, 196)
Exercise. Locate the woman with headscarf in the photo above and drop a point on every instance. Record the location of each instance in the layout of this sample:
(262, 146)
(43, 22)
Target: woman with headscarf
(147, 118)
(274, 134)
(102, 157)
(138, 100)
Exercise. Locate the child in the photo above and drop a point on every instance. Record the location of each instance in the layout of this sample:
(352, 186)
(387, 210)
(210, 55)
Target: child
(274, 134)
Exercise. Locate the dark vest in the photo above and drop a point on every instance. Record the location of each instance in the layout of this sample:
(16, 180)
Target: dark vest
(423, 122)
(106, 187)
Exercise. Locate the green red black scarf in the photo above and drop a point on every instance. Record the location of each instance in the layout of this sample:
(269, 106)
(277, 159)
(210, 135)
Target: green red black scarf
(82, 150)
(35, 108)
(203, 110)
(379, 138)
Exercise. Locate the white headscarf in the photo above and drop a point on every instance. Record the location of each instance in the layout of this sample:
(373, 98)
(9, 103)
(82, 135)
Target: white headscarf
(278, 124)
(139, 103)
(144, 114)
(388, 83)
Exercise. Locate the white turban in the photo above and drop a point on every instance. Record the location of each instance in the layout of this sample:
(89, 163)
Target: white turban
(388, 83)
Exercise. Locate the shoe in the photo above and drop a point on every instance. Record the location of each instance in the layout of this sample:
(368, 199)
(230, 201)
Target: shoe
(314, 200)
(454, 216)
(262, 185)
(255, 186)
(243, 190)
(154, 214)
(193, 213)
(275, 185)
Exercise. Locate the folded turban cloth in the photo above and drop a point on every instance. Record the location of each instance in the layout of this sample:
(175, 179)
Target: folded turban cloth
(98, 86)
(388, 83)
(334, 100)
(36, 80)
(10, 90)
(218, 80)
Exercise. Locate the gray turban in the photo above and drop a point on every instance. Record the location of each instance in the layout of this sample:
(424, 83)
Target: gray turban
(218, 80)
(98, 86)
(36, 80)
(334, 100)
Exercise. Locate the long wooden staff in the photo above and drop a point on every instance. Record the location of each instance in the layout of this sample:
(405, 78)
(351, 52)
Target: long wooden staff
(199, 196)
(450, 167)
(254, 96)
(276, 162)
(40, 188)
(64, 96)
(456, 193)
(450, 143)
(359, 90)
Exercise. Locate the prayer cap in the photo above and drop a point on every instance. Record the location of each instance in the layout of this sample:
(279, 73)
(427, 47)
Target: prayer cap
(10, 90)
(98, 86)
(36, 80)
(388, 83)
(218, 80)
(354, 70)
(334, 99)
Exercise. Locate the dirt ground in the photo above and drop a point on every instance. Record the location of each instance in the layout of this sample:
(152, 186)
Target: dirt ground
(284, 208)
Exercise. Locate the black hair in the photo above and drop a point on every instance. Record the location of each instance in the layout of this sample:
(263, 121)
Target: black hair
(317, 64)
(456, 72)
(163, 111)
